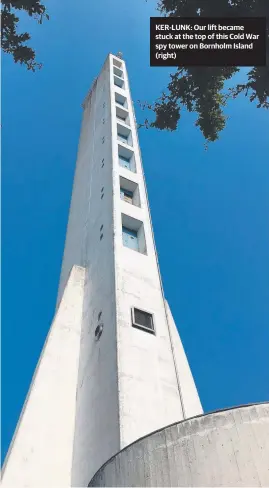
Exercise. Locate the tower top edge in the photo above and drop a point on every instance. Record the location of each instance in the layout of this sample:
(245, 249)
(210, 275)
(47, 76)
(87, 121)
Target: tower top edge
(119, 55)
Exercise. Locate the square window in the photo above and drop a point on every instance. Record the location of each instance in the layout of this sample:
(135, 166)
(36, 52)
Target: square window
(126, 195)
(129, 238)
(118, 82)
(118, 72)
(125, 162)
(133, 235)
(124, 134)
(117, 63)
(120, 100)
(126, 158)
(122, 114)
(123, 138)
(129, 191)
(143, 320)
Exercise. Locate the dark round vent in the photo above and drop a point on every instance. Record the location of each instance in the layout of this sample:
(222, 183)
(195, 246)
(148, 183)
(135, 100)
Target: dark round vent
(98, 331)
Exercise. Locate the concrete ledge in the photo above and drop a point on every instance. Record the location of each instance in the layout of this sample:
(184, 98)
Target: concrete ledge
(224, 448)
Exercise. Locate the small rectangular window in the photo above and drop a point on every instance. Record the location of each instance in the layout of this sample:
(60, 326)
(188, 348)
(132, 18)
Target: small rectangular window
(117, 63)
(122, 115)
(125, 162)
(124, 134)
(126, 157)
(118, 72)
(123, 138)
(129, 238)
(133, 234)
(129, 191)
(143, 320)
(126, 195)
(120, 100)
(118, 82)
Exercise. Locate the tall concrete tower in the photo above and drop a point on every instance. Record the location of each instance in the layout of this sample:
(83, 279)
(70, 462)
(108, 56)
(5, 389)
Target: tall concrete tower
(113, 370)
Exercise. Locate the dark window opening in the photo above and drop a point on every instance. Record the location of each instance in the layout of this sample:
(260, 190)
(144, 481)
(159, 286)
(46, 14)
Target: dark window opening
(126, 195)
(143, 320)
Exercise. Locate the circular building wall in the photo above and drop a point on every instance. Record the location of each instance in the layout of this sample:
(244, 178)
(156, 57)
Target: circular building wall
(223, 448)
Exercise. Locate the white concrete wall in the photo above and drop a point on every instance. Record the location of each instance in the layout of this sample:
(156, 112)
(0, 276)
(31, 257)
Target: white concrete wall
(190, 400)
(97, 435)
(220, 449)
(40, 454)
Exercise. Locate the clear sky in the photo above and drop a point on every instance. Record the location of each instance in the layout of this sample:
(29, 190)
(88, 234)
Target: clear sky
(210, 209)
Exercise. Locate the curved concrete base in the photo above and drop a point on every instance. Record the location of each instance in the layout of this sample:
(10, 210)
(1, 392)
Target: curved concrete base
(224, 448)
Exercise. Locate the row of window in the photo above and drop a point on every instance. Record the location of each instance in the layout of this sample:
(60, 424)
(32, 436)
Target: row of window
(133, 235)
(132, 230)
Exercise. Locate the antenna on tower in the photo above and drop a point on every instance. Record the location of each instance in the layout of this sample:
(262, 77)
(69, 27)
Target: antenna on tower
(119, 55)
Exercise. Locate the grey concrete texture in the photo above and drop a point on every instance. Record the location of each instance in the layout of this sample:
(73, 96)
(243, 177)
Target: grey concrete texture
(223, 448)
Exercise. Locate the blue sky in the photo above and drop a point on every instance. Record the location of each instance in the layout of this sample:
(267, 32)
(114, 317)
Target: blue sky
(209, 209)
